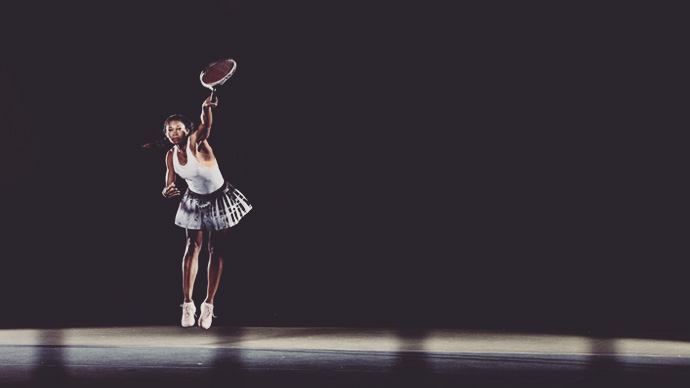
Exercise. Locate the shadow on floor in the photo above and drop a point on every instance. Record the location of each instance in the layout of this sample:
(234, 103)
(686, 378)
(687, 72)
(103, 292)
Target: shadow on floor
(50, 371)
(410, 368)
(227, 368)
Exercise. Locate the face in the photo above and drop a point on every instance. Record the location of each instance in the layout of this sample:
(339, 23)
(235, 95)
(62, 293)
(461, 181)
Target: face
(176, 131)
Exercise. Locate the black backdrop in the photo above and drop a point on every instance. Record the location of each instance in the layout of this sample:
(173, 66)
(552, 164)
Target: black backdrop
(505, 165)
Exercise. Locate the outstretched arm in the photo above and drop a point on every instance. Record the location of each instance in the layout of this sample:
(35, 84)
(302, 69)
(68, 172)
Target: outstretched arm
(204, 129)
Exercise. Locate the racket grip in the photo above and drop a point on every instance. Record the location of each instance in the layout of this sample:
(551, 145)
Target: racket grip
(213, 93)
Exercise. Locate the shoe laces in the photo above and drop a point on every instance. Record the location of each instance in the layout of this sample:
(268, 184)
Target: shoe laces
(187, 310)
(206, 312)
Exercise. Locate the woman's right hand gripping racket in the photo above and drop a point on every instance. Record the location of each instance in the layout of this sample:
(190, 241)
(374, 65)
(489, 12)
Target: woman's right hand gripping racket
(217, 73)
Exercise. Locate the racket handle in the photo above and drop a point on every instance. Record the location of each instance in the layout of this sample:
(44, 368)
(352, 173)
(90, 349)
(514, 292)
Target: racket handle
(213, 92)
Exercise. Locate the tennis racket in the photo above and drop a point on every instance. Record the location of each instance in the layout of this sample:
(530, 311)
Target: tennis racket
(217, 73)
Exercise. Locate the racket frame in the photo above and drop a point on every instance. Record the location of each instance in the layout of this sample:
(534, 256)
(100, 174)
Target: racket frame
(221, 81)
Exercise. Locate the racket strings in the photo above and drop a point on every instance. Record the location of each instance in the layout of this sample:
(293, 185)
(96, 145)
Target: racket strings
(217, 71)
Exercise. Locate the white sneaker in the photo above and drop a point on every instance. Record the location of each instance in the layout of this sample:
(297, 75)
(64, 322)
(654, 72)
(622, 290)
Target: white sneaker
(206, 315)
(188, 314)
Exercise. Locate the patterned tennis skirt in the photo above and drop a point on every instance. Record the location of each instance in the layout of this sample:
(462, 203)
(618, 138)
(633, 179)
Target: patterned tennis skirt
(218, 210)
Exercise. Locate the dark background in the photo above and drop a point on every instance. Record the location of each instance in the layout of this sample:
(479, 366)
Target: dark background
(409, 163)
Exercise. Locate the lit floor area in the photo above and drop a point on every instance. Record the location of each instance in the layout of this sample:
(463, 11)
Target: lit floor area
(172, 356)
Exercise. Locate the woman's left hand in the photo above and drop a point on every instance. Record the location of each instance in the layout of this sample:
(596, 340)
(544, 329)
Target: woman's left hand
(209, 103)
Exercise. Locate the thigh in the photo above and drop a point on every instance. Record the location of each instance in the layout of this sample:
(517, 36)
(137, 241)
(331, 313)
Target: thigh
(218, 239)
(195, 238)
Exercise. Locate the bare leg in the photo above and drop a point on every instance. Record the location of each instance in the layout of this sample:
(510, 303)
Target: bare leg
(218, 247)
(190, 263)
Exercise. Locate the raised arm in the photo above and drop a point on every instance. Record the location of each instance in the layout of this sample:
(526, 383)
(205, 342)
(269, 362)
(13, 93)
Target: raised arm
(204, 129)
(170, 190)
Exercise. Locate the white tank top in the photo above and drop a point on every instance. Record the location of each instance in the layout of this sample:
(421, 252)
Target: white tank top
(200, 179)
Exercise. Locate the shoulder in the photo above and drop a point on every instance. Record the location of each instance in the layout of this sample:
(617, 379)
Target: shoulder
(169, 155)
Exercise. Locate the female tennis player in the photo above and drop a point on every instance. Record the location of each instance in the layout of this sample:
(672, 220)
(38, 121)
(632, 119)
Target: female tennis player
(209, 206)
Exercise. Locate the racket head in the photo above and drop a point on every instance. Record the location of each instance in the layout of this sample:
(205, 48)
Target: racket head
(217, 73)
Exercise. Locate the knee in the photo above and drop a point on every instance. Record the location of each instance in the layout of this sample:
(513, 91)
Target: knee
(193, 246)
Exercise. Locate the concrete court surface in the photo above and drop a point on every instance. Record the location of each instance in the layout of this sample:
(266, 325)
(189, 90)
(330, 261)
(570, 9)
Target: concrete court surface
(170, 356)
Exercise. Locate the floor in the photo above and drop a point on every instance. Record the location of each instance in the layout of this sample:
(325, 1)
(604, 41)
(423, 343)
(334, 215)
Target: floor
(333, 357)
